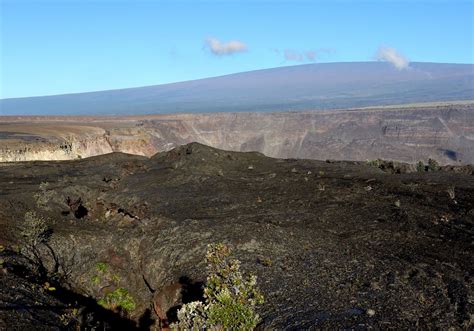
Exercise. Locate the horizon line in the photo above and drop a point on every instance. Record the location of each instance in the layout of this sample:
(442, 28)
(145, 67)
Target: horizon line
(218, 76)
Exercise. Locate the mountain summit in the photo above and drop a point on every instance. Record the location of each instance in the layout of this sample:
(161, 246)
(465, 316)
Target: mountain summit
(311, 86)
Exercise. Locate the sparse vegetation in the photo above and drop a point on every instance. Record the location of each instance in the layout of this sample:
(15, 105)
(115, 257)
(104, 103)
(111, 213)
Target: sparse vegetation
(43, 198)
(230, 297)
(374, 163)
(265, 261)
(433, 165)
(95, 280)
(33, 231)
(118, 299)
(101, 267)
(420, 167)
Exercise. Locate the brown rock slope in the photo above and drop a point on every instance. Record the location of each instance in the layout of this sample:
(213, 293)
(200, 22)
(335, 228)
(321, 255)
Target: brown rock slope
(331, 243)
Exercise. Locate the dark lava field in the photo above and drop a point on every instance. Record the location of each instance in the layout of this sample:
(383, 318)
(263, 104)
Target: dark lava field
(335, 245)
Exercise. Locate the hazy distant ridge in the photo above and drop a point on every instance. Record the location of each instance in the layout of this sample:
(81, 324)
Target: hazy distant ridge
(312, 86)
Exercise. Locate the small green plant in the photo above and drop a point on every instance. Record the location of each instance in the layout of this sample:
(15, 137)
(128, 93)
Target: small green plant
(116, 278)
(95, 280)
(433, 165)
(33, 230)
(374, 163)
(420, 166)
(230, 297)
(192, 316)
(44, 197)
(101, 267)
(70, 317)
(118, 299)
(265, 261)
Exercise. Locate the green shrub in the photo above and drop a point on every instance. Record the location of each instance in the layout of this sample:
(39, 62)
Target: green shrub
(374, 163)
(101, 267)
(44, 197)
(192, 316)
(33, 230)
(95, 280)
(120, 298)
(433, 165)
(230, 297)
(420, 167)
(33, 233)
(230, 313)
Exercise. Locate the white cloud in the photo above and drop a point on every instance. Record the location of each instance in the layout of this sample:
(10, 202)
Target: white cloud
(392, 56)
(225, 48)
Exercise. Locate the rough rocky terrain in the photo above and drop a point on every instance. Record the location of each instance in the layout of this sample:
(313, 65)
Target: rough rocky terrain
(336, 245)
(444, 132)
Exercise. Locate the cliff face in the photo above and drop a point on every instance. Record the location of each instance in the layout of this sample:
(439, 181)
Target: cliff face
(444, 133)
(48, 142)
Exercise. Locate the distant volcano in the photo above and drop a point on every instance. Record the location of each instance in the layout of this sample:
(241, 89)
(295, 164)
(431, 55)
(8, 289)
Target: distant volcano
(302, 87)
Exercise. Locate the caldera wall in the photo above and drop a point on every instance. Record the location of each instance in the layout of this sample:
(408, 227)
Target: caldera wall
(408, 134)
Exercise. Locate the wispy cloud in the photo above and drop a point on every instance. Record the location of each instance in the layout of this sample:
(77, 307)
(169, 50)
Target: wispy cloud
(303, 56)
(220, 48)
(391, 55)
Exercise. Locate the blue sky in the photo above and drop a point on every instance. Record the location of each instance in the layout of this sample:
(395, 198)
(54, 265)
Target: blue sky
(55, 47)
